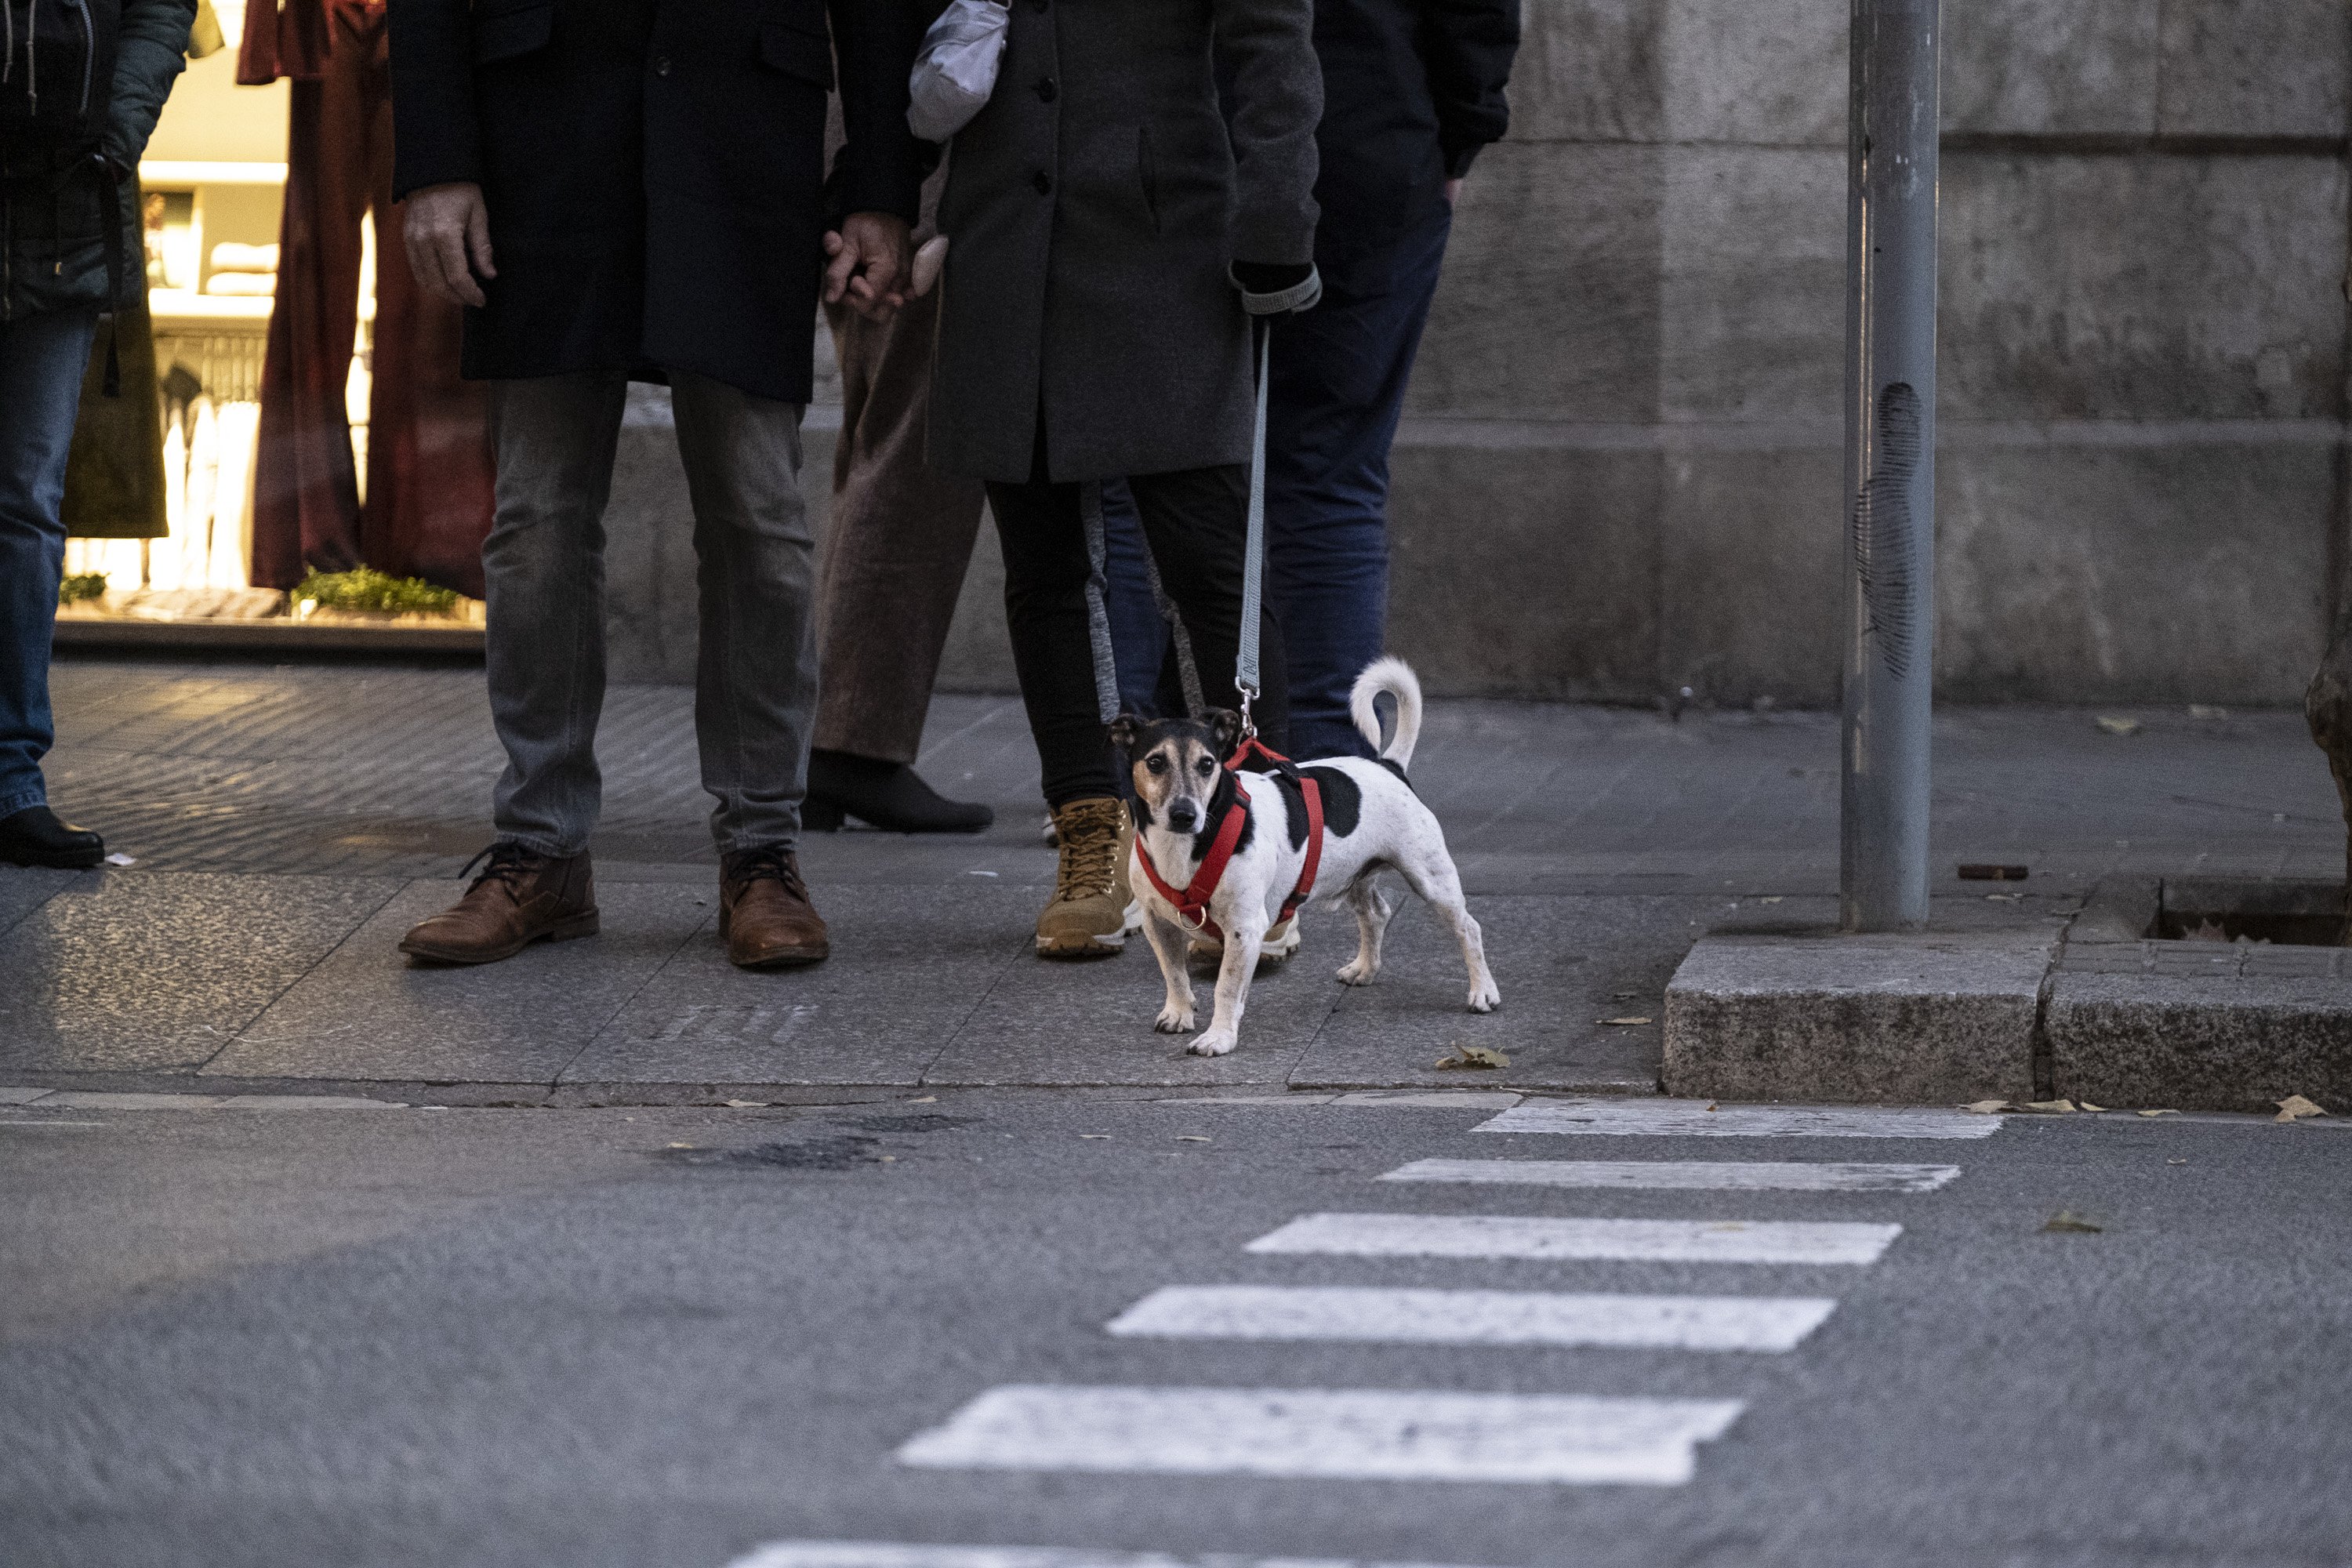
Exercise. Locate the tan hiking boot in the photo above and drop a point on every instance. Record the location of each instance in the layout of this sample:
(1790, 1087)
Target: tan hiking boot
(1093, 908)
(520, 898)
(764, 911)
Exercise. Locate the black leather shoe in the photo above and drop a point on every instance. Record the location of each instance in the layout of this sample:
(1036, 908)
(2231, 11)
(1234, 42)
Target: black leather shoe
(34, 837)
(890, 795)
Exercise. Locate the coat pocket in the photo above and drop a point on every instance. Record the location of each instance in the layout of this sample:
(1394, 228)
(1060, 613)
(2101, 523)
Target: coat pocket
(797, 50)
(506, 29)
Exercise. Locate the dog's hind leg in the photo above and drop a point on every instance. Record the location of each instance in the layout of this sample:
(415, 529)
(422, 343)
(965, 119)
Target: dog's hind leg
(1434, 878)
(1233, 973)
(1372, 911)
(1168, 945)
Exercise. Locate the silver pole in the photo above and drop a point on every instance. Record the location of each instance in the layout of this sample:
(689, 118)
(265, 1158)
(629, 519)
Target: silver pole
(1890, 464)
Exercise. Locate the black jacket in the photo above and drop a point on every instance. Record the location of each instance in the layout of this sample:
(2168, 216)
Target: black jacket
(654, 169)
(1411, 90)
(53, 216)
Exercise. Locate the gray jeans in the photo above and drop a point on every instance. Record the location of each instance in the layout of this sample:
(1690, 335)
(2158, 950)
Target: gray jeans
(755, 674)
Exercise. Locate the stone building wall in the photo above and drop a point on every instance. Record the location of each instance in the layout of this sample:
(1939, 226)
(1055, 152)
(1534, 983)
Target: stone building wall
(1627, 412)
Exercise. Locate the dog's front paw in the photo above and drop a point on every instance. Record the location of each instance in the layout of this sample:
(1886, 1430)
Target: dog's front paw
(1484, 997)
(1356, 971)
(1215, 1043)
(1173, 1021)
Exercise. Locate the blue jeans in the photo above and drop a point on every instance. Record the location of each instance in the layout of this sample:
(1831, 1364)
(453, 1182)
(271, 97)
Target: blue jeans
(41, 361)
(1138, 637)
(1339, 376)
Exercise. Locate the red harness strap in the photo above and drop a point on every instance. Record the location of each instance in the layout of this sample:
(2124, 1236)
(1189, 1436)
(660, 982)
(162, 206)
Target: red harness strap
(1193, 904)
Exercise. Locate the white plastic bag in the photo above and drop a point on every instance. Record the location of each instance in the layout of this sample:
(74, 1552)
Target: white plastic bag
(955, 70)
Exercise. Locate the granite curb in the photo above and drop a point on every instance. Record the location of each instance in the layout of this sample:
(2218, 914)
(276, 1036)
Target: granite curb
(2110, 1005)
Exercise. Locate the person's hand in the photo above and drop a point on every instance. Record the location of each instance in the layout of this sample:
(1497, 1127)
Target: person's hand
(1453, 191)
(866, 264)
(448, 233)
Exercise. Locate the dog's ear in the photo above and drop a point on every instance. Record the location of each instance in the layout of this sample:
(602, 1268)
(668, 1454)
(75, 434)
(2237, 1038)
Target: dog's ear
(1224, 729)
(1125, 731)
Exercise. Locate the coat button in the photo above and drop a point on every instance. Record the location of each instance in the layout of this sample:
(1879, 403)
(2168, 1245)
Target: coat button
(661, 64)
(1045, 183)
(1047, 90)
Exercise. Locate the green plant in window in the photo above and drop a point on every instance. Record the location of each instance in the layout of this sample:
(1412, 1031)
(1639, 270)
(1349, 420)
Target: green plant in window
(81, 587)
(368, 589)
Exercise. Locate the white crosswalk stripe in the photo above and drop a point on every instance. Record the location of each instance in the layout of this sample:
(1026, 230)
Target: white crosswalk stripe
(1613, 1240)
(910, 1555)
(1473, 1318)
(1362, 1434)
(1437, 1435)
(1682, 1118)
(1682, 1176)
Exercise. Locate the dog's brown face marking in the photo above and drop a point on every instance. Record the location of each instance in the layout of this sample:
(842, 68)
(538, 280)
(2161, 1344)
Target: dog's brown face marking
(1174, 780)
(1174, 766)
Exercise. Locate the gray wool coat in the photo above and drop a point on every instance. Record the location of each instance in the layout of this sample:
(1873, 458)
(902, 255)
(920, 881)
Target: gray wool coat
(1092, 209)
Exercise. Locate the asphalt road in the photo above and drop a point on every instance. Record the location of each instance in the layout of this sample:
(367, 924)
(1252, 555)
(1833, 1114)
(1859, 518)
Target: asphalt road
(676, 1336)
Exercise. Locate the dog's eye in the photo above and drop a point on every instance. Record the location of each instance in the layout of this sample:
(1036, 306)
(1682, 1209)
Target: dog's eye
(1205, 768)
(1156, 763)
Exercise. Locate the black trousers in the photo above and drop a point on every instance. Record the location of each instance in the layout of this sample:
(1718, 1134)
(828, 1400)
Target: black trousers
(1197, 523)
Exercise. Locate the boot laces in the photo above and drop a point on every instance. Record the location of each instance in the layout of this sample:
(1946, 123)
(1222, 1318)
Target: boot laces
(508, 865)
(770, 863)
(1090, 844)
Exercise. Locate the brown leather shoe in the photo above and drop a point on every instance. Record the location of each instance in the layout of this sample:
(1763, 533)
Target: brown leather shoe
(764, 911)
(520, 898)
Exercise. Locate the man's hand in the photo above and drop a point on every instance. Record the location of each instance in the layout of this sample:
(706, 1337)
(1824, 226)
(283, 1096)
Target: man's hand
(867, 264)
(448, 234)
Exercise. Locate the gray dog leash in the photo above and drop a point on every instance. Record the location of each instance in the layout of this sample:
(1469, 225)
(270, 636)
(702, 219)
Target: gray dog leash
(1254, 551)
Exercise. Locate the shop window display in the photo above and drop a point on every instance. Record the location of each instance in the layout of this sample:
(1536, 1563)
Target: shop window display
(215, 188)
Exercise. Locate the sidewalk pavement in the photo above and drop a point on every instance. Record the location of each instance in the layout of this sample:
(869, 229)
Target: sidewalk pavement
(287, 824)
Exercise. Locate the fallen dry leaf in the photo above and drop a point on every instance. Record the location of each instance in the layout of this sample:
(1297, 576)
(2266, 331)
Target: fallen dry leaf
(2293, 1107)
(1473, 1057)
(2120, 726)
(2176, 1161)
(2087, 1105)
(927, 1100)
(747, 1105)
(1620, 1023)
(2050, 1107)
(681, 1145)
(2066, 1220)
(1773, 900)
(2157, 1113)
(1190, 1138)
(1104, 1135)
(1710, 1105)
(2202, 710)
(1989, 1107)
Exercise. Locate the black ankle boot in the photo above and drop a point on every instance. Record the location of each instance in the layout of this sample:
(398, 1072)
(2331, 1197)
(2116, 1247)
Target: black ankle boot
(34, 836)
(890, 796)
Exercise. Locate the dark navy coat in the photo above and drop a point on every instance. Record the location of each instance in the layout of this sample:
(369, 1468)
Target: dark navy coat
(1411, 90)
(654, 169)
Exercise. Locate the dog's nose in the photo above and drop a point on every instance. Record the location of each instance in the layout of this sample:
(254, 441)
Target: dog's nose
(1183, 815)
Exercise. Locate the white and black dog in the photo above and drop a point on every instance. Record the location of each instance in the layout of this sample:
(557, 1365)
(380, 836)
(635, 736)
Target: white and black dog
(1372, 822)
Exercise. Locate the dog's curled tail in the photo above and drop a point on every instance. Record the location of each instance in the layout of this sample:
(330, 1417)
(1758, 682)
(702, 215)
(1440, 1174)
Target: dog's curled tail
(1395, 676)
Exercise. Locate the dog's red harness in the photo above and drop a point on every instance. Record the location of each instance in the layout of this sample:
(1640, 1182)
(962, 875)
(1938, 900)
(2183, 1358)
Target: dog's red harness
(1193, 903)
